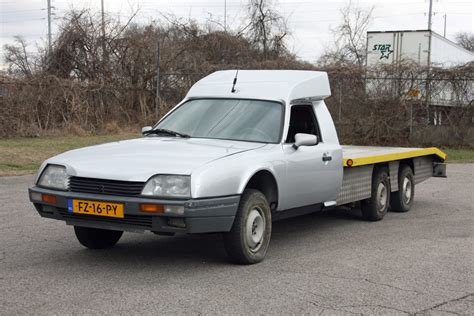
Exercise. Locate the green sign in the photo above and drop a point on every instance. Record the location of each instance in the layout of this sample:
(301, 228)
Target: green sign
(384, 49)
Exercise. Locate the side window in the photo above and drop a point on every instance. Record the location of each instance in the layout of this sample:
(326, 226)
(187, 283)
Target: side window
(302, 120)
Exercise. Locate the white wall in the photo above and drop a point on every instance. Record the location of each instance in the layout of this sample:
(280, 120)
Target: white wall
(394, 47)
(389, 47)
(445, 53)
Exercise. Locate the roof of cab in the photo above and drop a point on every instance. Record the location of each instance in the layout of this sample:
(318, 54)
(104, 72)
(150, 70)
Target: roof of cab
(288, 85)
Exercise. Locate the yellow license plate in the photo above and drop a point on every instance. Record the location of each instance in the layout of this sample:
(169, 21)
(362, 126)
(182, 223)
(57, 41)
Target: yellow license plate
(96, 208)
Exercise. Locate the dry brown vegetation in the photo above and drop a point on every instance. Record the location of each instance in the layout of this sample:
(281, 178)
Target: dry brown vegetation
(389, 105)
(89, 84)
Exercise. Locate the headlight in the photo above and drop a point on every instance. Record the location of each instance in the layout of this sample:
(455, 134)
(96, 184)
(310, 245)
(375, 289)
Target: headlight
(168, 186)
(54, 177)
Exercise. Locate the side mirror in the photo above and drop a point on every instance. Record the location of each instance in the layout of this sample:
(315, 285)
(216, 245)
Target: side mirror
(146, 129)
(305, 140)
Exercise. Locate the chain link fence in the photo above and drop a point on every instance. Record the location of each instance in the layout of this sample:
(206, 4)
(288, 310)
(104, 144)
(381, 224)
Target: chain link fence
(367, 109)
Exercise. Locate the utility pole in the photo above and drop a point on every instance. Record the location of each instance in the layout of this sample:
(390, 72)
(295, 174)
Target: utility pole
(430, 13)
(157, 95)
(428, 90)
(444, 33)
(225, 15)
(340, 101)
(49, 25)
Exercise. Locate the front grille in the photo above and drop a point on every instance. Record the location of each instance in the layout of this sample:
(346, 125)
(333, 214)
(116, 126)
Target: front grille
(103, 186)
(132, 220)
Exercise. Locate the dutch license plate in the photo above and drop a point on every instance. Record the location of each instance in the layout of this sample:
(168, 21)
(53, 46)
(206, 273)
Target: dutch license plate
(96, 208)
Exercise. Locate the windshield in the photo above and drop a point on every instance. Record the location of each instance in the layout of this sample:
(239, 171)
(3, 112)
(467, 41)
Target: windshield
(235, 119)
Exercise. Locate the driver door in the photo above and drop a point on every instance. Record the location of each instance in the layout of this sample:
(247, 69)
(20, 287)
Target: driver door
(309, 169)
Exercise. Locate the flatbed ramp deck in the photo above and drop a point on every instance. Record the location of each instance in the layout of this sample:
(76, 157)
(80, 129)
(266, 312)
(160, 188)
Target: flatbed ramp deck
(366, 155)
(359, 164)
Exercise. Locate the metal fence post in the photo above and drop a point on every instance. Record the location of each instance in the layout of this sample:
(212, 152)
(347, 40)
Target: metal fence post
(411, 121)
(340, 101)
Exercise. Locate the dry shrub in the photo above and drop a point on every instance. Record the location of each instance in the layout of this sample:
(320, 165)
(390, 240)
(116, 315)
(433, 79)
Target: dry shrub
(102, 85)
(77, 130)
(405, 105)
(87, 85)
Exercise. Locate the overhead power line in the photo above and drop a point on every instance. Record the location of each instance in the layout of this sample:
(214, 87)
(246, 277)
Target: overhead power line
(21, 20)
(19, 11)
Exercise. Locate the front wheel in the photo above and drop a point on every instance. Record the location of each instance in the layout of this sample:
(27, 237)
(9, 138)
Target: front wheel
(95, 238)
(248, 240)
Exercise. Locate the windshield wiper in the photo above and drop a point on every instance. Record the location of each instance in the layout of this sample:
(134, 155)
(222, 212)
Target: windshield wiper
(166, 132)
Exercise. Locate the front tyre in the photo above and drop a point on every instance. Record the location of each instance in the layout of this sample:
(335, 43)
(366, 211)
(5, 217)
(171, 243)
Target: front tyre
(95, 238)
(247, 242)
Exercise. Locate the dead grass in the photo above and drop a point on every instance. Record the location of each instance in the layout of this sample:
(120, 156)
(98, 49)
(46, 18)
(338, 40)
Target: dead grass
(459, 155)
(19, 156)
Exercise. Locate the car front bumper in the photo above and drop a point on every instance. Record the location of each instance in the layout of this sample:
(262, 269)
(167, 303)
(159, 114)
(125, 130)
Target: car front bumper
(200, 215)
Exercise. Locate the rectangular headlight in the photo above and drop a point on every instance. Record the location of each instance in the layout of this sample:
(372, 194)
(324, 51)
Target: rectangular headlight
(54, 177)
(168, 186)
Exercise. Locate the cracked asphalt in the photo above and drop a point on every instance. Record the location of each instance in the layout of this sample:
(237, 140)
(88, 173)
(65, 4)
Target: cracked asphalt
(420, 262)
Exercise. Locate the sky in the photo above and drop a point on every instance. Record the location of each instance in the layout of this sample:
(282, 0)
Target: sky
(310, 21)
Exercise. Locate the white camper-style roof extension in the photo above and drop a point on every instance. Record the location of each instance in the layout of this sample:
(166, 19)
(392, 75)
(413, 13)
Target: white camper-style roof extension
(290, 86)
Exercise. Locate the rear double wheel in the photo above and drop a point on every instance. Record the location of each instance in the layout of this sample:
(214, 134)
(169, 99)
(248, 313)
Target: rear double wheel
(248, 240)
(375, 207)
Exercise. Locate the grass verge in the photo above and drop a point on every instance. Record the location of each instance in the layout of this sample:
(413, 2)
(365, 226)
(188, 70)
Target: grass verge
(459, 155)
(19, 156)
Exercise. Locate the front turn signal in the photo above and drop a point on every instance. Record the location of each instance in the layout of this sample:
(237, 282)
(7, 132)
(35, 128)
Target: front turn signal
(152, 208)
(50, 199)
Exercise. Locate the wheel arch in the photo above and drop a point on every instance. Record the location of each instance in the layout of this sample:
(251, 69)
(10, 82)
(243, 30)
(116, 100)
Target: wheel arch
(264, 181)
(381, 165)
(407, 162)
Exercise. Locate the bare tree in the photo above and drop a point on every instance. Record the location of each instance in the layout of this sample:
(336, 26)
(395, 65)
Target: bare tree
(79, 48)
(466, 40)
(267, 28)
(17, 58)
(350, 37)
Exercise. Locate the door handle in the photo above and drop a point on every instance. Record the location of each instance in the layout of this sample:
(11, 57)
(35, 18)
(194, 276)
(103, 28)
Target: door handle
(327, 157)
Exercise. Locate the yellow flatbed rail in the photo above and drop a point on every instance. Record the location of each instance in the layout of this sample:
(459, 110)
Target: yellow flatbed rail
(354, 156)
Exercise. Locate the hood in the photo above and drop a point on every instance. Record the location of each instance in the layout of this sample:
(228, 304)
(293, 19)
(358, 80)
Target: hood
(139, 159)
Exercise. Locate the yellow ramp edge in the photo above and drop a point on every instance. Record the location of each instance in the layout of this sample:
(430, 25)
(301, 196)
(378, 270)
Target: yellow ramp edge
(396, 156)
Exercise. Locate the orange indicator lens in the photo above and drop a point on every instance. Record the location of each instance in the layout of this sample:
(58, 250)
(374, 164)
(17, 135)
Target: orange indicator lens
(50, 199)
(349, 162)
(152, 208)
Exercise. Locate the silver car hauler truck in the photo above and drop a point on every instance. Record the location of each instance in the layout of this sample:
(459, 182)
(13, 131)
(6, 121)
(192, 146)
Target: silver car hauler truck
(242, 149)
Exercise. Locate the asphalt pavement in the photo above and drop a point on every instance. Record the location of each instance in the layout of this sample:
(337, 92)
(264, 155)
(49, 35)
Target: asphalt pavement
(327, 263)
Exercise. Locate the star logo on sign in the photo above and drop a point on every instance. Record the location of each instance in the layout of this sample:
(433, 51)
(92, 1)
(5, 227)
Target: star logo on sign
(386, 53)
(384, 49)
